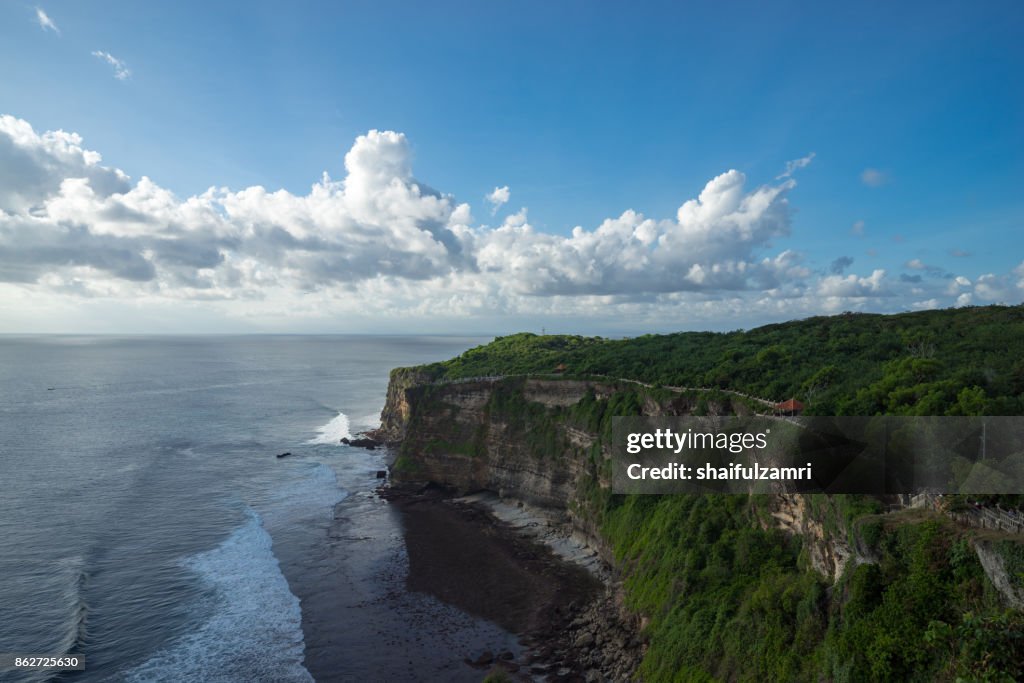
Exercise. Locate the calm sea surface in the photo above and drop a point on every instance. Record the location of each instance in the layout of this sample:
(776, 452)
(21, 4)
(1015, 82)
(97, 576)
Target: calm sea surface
(146, 523)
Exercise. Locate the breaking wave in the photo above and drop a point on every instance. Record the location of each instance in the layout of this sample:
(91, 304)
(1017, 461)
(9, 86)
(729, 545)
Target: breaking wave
(255, 632)
(332, 432)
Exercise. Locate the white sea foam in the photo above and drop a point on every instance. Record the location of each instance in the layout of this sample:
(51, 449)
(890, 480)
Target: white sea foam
(255, 633)
(370, 421)
(332, 432)
(314, 492)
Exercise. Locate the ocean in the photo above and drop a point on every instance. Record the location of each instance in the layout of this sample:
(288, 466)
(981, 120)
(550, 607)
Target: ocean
(147, 524)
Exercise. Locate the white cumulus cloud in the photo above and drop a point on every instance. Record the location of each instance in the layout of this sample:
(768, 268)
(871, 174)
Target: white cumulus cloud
(498, 198)
(853, 285)
(381, 244)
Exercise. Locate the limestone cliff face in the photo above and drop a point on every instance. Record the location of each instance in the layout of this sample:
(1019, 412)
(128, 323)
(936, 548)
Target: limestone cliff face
(506, 436)
(994, 564)
(395, 417)
(485, 435)
(827, 553)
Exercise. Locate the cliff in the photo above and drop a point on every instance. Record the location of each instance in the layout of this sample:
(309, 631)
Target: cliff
(527, 439)
(498, 436)
(394, 418)
(781, 587)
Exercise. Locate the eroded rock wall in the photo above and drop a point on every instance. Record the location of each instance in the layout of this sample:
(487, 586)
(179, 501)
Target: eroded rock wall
(464, 436)
(508, 436)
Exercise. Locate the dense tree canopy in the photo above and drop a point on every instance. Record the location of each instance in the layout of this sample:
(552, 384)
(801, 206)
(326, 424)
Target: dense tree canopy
(967, 361)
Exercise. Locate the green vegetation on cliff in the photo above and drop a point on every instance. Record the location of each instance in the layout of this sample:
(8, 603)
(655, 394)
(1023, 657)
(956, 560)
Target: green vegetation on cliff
(727, 595)
(730, 600)
(967, 361)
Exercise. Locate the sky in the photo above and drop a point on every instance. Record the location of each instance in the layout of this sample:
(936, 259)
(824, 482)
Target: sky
(458, 167)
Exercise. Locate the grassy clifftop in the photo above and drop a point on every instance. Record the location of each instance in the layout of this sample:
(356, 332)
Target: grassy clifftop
(967, 361)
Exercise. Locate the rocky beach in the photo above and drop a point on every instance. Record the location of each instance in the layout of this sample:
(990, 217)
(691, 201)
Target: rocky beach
(517, 575)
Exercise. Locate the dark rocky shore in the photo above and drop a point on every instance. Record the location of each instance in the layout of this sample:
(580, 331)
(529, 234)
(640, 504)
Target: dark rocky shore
(567, 620)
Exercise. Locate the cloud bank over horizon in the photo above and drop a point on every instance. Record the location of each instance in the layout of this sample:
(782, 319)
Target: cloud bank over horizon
(379, 245)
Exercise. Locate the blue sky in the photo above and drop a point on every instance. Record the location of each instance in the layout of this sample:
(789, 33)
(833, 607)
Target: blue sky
(913, 111)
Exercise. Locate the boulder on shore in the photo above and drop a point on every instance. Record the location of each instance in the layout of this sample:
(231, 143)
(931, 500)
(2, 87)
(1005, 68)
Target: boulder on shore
(361, 442)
